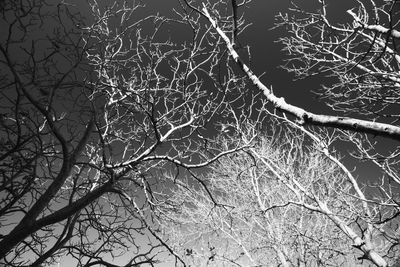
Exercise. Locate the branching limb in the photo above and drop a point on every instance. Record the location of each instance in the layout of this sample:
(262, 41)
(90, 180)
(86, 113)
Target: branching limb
(305, 117)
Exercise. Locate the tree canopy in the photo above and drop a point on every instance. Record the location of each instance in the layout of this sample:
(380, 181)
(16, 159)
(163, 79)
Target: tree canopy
(131, 135)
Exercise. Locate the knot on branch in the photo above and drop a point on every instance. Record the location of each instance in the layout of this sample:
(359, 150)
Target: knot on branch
(359, 246)
(303, 119)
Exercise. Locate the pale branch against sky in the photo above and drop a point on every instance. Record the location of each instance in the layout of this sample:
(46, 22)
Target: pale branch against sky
(199, 132)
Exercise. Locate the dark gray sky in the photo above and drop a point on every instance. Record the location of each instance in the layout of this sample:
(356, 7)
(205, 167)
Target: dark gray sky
(267, 54)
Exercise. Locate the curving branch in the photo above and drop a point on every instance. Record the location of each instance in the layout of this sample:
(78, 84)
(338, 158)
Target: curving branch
(303, 116)
(376, 28)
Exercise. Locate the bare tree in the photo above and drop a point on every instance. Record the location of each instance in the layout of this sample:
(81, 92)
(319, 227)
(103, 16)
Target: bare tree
(94, 98)
(359, 53)
(99, 99)
(283, 201)
(359, 56)
(305, 117)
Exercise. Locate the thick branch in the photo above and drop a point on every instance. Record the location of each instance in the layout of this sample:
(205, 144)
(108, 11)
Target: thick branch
(304, 116)
(235, 22)
(23, 231)
(28, 224)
